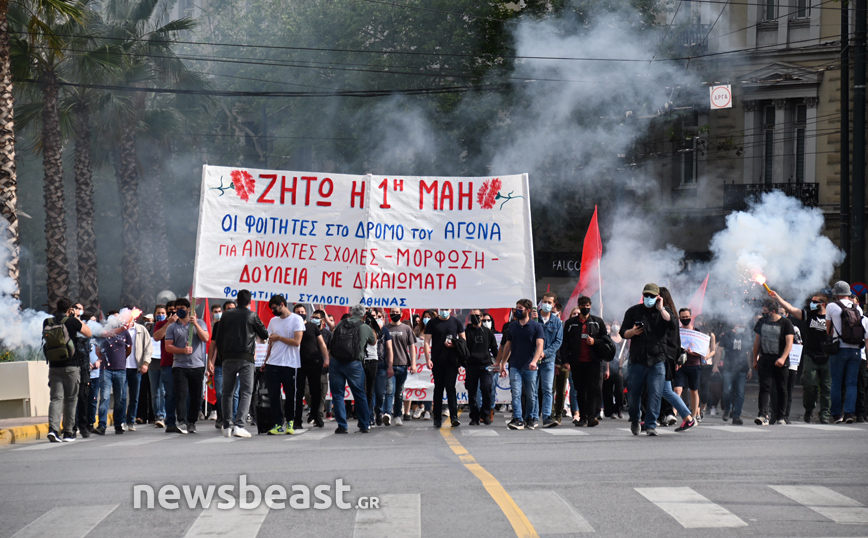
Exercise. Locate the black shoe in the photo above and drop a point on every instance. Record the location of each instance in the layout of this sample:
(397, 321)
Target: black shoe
(379, 419)
(53, 437)
(318, 422)
(364, 430)
(725, 416)
(474, 422)
(297, 426)
(688, 425)
(191, 428)
(737, 422)
(341, 429)
(824, 420)
(848, 418)
(84, 433)
(593, 422)
(486, 420)
(635, 428)
(531, 424)
(580, 424)
(437, 425)
(515, 424)
(99, 430)
(550, 423)
(808, 416)
(219, 423)
(90, 428)
(119, 431)
(455, 423)
(860, 419)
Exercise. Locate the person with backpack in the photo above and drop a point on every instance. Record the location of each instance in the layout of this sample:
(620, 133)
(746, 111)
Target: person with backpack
(845, 323)
(347, 350)
(58, 333)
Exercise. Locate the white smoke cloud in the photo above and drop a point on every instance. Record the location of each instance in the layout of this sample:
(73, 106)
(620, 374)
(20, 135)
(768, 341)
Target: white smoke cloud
(20, 329)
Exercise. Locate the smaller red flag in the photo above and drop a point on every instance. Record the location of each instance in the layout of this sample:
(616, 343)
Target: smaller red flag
(695, 304)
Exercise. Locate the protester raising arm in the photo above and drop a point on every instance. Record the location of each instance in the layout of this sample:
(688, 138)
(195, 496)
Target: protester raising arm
(791, 310)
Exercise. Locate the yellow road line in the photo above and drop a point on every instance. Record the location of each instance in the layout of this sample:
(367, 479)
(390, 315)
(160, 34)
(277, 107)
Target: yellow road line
(520, 524)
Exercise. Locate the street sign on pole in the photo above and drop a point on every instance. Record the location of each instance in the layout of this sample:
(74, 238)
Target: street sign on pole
(721, 96)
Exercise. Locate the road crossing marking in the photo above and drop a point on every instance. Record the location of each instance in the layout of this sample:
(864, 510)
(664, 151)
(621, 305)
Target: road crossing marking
(310, 435)
(662, 431)
(829, 427)
(398, 515)
(550, 513)
(220, 439)
(736, 429)
(236, 522)
(690, 509)
(563, 431)
(138, 441)
(479, 433)
(827, 503)
(69, 521)
(45, 445)
(519, 521)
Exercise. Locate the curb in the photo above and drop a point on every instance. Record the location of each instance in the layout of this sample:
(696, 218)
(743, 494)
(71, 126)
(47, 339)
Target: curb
(33, 432)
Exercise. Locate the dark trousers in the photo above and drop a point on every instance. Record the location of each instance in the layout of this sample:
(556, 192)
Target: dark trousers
(288, 377)
(705, 384)
(586, 376)
(478, 377)
(770, 374)
(310, 372)
(791, 382)
(84, 397)
(445, 376)
(145, 412)
(861, 388)
(188, 384)
(370, 368)
(613, 393)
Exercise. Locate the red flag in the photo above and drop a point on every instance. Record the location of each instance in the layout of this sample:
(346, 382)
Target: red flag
(206, 317)
(695, 304)
(500, 316)
(589, 273)
(264, 312)
(336, 312)
(210, 392)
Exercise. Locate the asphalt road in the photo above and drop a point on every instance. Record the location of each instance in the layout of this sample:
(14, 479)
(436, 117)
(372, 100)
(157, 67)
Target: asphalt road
(776, 481)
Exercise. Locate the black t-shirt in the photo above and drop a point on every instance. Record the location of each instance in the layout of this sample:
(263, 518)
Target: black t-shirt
(439, 328)
(218, 362)
(736, 346)
(481, 344)
(73, 326)
(773, 336)
(309, 348)
(813, 329)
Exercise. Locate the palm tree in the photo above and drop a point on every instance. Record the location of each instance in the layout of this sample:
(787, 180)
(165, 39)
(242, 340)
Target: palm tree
(149, 60)
(41, 14)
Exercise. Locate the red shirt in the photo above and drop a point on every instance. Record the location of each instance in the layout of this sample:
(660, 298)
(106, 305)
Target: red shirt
(166, 358)
(584, 347)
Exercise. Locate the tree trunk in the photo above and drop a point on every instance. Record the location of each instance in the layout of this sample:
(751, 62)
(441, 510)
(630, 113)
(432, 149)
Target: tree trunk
(128, 184)
(8, 179)
(163, 273)
(57, 272)
(85, 233)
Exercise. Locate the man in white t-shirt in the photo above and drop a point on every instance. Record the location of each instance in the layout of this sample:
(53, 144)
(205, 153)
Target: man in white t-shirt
(282, 363)
(844, 364)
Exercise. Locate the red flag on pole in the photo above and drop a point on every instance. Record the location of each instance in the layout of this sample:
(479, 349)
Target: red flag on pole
(206, 317)
(695, 304)
(589, 275)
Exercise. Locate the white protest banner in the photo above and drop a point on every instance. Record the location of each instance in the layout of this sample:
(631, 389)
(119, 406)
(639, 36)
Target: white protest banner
(337, 239)
(695, 342)
(796, 356)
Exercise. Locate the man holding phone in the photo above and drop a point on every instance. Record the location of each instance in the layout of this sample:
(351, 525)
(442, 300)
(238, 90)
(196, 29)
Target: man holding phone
(646, 325)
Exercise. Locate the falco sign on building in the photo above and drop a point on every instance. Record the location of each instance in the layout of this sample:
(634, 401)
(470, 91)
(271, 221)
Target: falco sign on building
(382, 240)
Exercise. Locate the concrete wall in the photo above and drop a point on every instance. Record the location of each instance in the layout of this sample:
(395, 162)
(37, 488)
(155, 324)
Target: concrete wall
(24, 389)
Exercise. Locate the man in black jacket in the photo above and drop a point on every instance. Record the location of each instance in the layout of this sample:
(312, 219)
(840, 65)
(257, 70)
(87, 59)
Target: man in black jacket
(482, 347)
(236, 343)
(584, 338)
(647, 325)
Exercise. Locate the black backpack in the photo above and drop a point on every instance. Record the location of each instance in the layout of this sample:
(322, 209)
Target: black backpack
(852, 331)
(345, 342)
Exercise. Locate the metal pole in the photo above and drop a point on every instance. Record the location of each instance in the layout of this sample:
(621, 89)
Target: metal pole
(845, 139)
(858, 204)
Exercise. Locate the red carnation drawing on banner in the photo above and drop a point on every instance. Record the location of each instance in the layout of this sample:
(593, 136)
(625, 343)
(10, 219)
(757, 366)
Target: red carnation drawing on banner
(242, 183)
(489, 194)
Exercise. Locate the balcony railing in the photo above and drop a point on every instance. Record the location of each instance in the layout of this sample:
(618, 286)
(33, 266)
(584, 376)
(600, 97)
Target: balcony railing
(691, 40)
(736, 197)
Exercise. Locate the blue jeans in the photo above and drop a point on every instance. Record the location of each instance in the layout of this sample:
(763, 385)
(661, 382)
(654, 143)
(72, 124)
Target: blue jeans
(112, 380)
(845, 370)
(494, 377)
(546, 378)
(169, 386)
(341, 374)
(158, 392)
(397, 405)
(523, 380)
(95, 391)
(574, 396)
(650, 378)
(675, 400)
(131, 394)
(384, 388)
(733, 392)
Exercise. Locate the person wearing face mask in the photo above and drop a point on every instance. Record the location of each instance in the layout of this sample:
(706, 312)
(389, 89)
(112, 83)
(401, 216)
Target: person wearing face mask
(737, 370)
(188, 368)
(771, 350)
(158, 391)
(816, 376)
(422, 410)
(613, 386)
(215, 368)
(553, 331)
(314, 356)
(439, 335)
(319, 318)
(282, 364)
(525, 341)
(403, 357)
(585, 342)
(482, 346)
(647, 325)
(166, 360)
(687, 376)
(562, 375)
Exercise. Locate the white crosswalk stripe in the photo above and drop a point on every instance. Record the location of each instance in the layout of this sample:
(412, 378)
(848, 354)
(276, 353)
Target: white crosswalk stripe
(138, 441)
(70, 521)
(549, 513)
(398, 516)
(217, 440)
(310, 435)
(736, 429)
(690, 509)
(660, 431)
(236, 522)
(479, 433)
(564, 432)
(46, 445)
(827, 503)
(829, 427)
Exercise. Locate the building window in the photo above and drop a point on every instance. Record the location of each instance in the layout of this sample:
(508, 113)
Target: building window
(768, 144)
(769, 9)
(803, 9)
(800, 126)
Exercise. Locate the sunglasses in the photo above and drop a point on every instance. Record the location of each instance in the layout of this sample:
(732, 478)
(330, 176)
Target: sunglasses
(649, 295)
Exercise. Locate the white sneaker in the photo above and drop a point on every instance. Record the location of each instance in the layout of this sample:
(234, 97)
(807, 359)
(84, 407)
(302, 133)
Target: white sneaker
(201, 415)
(131, 427)
(427, 415)
(227, 432)
(417, 413)
(670, 420)
(239, 431)
(182, 428)
(714, 411)
(398, 421)
(387, 419)
(124, 426)
(213, 415)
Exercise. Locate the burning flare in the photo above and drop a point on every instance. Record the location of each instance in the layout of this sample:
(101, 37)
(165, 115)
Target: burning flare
(760, 279)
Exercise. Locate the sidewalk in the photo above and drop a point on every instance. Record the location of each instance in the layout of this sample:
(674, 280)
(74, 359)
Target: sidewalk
(21, 430)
